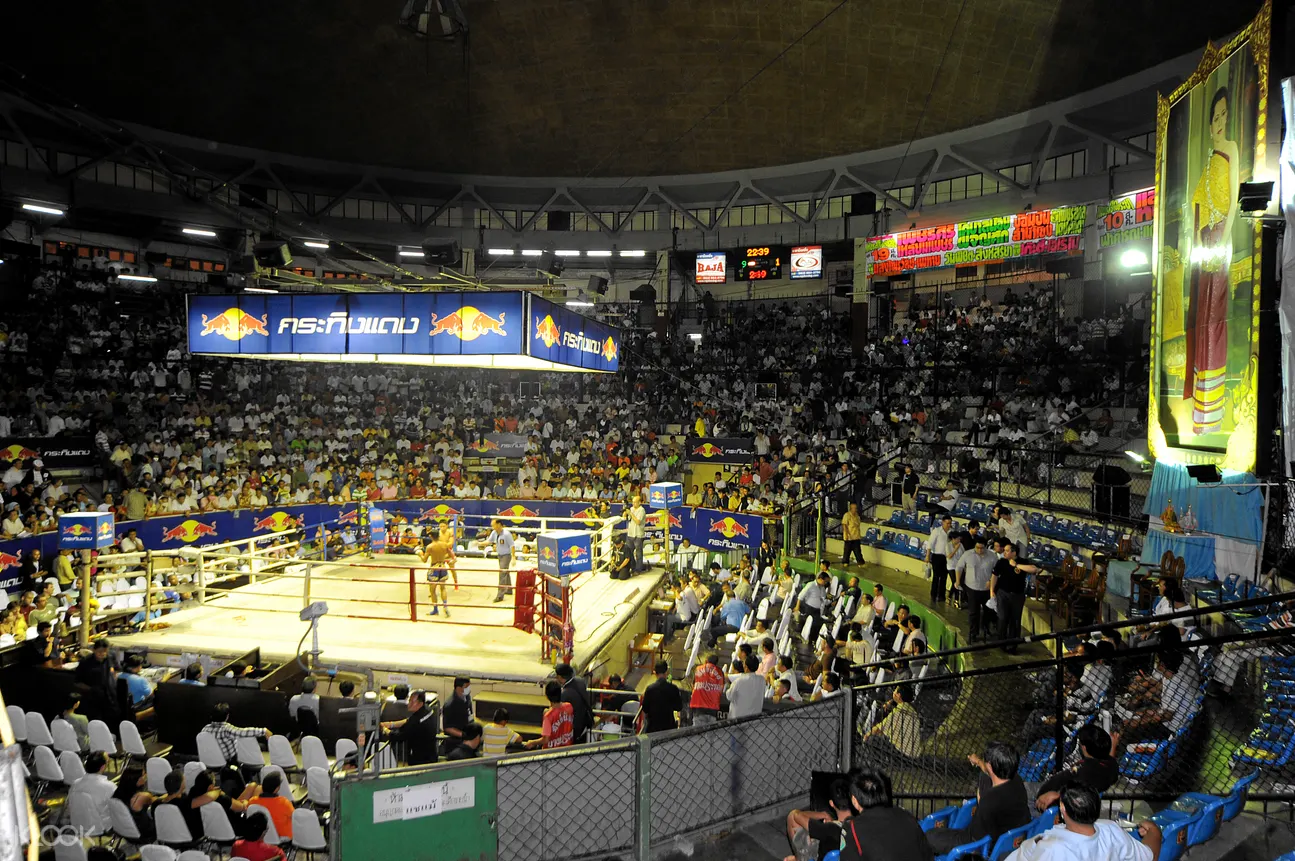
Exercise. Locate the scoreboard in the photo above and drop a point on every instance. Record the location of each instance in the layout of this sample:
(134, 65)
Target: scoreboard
(759, 263)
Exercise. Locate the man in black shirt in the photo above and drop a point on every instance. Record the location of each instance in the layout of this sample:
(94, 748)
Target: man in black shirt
(575, 692)
(1097, 768)
(457, 714)
(97, 673)
(814, 833)
(661, 701)
(909, 488)
(1007, 585)
(470, 746)
(417, 732)
(879, 831)
(41, 648)
(1001, 801)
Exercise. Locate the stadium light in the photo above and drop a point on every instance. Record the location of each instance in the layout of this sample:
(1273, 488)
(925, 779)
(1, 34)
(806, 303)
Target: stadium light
(1133, 258)
(198, 231)
(579, 303)
(500, 252)
(145, 278)
(1135, 456)
(311, 243)
(409, 252)
(638, 252)
(532, 252)
(570, 252)
(259, 290)
(599, 252)
(696, 336)
(43, 210)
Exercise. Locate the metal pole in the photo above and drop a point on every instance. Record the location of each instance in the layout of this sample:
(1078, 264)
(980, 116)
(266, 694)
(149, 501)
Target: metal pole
(1263, 537)
(148, 587)
(1059, 710)
(666, 515)
(818, 532)
(305, 585)
(83, 637)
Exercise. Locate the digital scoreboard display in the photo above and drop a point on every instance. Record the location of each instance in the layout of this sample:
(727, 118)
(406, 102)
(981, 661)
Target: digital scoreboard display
(759, 263)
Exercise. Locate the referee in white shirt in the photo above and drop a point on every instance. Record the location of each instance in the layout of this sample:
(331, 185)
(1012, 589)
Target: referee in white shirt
(938, 548)
(502, 539)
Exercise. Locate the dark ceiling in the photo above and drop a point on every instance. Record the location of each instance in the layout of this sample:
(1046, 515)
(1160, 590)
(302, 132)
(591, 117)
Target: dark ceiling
(595, 87)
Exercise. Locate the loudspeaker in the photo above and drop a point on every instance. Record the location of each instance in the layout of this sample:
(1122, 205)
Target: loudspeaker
(1111, 500)
(1206, 473)
(597, 284)
(863, 203)
(155, 258)
(272, 254)
(552, 264)
(442, 255)
(559, 221)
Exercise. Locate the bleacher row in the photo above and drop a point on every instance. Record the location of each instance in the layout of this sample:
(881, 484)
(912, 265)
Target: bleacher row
(54, 761)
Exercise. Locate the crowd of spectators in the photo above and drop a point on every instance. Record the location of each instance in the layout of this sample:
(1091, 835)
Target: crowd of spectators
(180, 435)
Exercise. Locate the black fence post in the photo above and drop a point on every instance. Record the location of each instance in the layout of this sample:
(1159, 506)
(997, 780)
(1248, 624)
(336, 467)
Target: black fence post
(1059, 707)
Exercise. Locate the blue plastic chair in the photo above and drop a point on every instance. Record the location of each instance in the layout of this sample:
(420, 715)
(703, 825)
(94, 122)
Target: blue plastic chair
(1174, 832)
(1009, 841)
(980, 846)
(834, 855)
(962, 817)
(1224, 808)
(1045, 821)
(1272, 754)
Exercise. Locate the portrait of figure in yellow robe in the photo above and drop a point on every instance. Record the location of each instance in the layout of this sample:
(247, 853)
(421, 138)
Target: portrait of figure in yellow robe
(1213, 213)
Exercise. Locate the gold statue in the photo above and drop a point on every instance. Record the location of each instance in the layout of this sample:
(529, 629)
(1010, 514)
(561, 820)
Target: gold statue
(1169, 517)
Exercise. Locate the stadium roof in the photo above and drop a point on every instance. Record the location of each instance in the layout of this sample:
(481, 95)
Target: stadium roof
(594, 87)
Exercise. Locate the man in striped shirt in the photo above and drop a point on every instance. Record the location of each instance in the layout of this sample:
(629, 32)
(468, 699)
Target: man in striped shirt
(226, 734)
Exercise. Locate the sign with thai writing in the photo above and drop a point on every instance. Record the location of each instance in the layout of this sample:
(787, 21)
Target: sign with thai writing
(1126, 219)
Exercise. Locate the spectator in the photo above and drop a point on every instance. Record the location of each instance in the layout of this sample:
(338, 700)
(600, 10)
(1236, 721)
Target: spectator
(417, 732)
(278, 807)
(205, 791)
(1001, 802)
(1081, 836)
(80, 723)
(634, 531)
(138, 800)
(732, 613)
(746, 690)
(307, 699)
(576, 693)
(96, 673)
(458, 712)
(1007, 588)
(96, 786)
(908, 489)
(41, 649)
(139, 688)
(811, 602)
(556, 727)
(192, 675)
(226, 734)
(972, 576)
(707, 686)
(498, 735)
(251, 843)
(901, 728)
(814, 833)
(469, 746)
(852, 535)
(1166, 705)
(662, 701)
(939, 547)
(1097, 767)
(880, 831)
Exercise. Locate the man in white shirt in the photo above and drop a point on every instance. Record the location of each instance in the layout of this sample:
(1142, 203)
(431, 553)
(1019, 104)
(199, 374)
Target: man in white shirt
(938, 548)
(634, 532)
(96, 786)
(746, 691)
(1084, 837)
(502, 539)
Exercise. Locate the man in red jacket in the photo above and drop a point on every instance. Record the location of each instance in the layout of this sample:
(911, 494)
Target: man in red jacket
(707, 686)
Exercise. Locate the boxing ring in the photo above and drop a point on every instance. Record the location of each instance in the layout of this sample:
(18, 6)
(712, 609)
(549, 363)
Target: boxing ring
(249, 593)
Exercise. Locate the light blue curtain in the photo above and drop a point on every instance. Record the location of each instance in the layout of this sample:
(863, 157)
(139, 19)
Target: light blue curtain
(1197, 550)
(1230, 513)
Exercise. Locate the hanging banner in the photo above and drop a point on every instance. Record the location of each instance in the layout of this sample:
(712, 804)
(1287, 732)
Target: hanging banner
(55, 452)
(985, 240)
(1126, 219)
(716, 450)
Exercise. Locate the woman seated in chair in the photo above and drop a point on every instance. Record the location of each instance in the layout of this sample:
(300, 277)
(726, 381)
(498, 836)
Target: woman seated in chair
(252, 846)
(205, 791)
(131, 791)
(1171, 600)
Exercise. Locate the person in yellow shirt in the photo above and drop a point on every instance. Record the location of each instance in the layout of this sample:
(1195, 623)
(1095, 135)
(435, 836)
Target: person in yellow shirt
(497, 735)
(63, 568)
(700, 427)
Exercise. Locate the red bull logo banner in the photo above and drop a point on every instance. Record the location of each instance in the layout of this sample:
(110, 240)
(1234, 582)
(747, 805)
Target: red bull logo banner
(188, 531)
(60, 452)
(715, 450)
(665, 494)
(497, 445)
(558, 335)
(710, 529)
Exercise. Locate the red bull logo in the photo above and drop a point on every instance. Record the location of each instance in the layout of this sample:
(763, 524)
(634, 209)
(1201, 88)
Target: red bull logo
(546, 553)
(235, 324)
(729, 528)
(7, 560)
(609, 349)
(352, 517)
(675, 495)
(575, 551)
(188, 531)
(707, 449)
(278, 522)
(484, 445)
(104, 531)
(675, 520)
(17, 452)
(586, 514)
(547, 331)
(661, 517)
(77, 530)
(515, 513)
(467, 324)
(436, 512)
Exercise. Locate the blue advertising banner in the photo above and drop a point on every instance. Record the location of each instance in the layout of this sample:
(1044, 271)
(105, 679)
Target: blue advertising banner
(665, 494)
(442, 327)
(563, 552)
(713, 530)
(558, 335)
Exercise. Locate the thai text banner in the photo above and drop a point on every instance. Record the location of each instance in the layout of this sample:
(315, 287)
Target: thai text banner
(556, 334)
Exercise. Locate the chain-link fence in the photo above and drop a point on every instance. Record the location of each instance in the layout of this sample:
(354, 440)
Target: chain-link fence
(1189, 703)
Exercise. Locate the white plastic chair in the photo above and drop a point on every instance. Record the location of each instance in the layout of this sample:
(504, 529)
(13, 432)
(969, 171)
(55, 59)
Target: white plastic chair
(281, 753)
(248, 750)
(307, 834)
(64, 736)
(209, 751)
(319, 787)
(216, 826)
(101, 740)
(197, 855)
(38, 730)
(18, 721)
(157, 852)
(806, 628)
(47, 769)
(123, 824)
(312, 753)
(762, 612)
(171, 827)
(31, 634)
(131, 741)
(64, 851)
(899, 641)
(156, 769)
(191, 772)
(344, 748)
(285, 790)
(271, 833)
(84, 814)
(71, 766)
